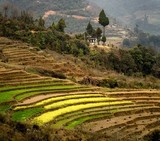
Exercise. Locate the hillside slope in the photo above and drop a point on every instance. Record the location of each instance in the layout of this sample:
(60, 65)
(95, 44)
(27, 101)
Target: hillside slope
(26, 56)
(31, 98)
(51, 63)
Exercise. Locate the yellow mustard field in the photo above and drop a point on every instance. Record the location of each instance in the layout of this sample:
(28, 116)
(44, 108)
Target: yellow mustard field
(77, 101)
(49, 116)
(54, 99)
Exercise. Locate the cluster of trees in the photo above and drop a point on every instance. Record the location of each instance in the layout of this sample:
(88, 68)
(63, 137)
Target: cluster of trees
(11, 25)
(90, 31)
(104, 21)
(136, 61)
(27, 29)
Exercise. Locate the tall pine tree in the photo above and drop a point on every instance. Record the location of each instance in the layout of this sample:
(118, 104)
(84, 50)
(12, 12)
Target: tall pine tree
(103, 20)
(89, 29)
(98, 34)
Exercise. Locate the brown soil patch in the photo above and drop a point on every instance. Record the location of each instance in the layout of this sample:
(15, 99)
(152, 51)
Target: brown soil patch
(79, 17)
(48, 13)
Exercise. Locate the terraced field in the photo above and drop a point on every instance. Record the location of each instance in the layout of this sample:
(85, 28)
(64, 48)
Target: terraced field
(62, 103)
(125, 115)
(19, 53)
(131, 122)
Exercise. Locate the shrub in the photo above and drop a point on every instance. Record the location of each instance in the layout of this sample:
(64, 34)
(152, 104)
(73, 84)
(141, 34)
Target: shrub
(21, 127)
(51, 73)
(109, 83)
(2, 118)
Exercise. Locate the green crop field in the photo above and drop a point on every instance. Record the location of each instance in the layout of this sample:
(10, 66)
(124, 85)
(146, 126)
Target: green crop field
(9, 95)
(24, 115)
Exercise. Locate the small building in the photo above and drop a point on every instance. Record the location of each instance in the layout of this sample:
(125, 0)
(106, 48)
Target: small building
(91, 40)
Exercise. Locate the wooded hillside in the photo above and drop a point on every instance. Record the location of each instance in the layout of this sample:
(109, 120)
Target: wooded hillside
(77, 13)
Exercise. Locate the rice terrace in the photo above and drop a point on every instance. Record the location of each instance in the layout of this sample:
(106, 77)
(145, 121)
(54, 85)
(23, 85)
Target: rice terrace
(79, 70)
(62, 103)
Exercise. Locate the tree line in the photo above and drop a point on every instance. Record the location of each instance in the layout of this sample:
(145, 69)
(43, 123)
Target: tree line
(137, 61)
(33, 31)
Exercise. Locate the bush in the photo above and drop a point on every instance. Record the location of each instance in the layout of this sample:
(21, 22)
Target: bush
(21, 127)
(89, 81)
(50, 73)
(2, 118)
(109, 83)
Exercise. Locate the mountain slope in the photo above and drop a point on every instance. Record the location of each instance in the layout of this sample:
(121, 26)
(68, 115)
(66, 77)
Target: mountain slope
(133, 12)
(75, 12)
